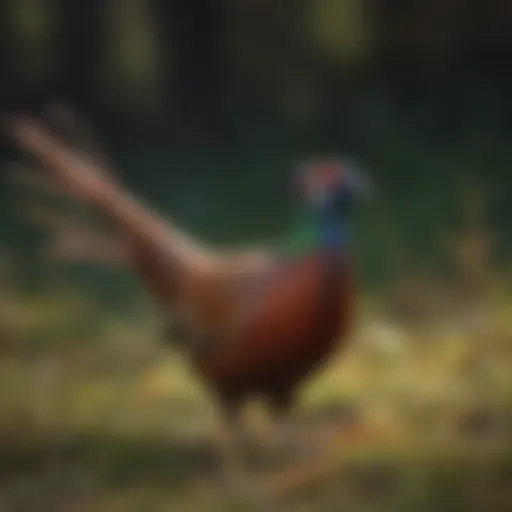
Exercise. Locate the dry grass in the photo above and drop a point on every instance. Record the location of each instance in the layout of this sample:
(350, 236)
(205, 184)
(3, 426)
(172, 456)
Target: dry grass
(110, 420)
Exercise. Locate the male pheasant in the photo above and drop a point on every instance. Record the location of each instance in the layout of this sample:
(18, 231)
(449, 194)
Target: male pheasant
(257, 322)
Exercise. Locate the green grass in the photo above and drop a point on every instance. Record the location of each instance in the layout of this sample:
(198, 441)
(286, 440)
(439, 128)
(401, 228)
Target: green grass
(119, 423)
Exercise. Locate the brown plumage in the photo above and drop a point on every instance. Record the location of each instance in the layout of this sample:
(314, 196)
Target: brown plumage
(259, 323)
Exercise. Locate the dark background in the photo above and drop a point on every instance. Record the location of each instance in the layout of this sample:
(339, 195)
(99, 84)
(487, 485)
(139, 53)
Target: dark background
(207, 105)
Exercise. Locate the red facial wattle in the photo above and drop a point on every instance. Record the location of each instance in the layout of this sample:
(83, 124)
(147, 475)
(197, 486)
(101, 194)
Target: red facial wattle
(320, 178)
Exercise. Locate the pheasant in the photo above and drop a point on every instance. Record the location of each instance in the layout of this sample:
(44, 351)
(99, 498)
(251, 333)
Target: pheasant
(257, 322)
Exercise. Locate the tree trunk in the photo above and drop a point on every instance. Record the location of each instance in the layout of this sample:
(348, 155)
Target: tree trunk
(78, 51)
(191, 35)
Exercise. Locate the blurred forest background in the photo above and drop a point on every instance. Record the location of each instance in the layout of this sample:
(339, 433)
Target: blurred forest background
(206, 106)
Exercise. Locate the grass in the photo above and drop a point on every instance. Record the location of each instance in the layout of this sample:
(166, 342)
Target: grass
(117, 422)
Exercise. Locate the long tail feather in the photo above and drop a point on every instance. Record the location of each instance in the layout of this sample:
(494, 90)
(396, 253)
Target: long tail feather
(162, 250)
(202, 285)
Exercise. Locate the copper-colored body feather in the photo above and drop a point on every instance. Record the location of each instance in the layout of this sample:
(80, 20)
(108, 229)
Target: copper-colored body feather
(300, 311)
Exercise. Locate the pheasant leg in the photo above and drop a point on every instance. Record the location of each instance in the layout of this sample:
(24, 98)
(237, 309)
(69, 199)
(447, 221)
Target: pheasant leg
(236, 477)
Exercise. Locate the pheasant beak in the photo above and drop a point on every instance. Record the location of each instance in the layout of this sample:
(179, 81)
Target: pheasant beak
(360, 184)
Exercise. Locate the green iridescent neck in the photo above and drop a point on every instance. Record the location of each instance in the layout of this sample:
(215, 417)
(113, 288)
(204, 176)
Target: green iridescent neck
(314, 230)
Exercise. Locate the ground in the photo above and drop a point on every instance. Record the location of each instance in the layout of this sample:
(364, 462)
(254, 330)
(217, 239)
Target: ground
(115, 422)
